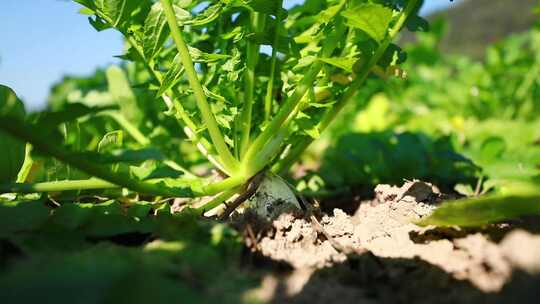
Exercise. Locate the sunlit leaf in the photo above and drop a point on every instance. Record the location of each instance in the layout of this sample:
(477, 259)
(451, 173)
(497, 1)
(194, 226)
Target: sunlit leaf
(373, 19)
(173, 76)
(345, 64)
(481, 211)
(156, 31)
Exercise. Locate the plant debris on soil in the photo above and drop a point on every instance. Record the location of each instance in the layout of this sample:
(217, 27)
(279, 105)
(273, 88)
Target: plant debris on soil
(391, 258)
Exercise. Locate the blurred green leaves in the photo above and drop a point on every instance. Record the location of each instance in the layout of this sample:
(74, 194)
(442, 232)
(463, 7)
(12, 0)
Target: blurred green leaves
(123, 95)
(362, 159)
(21, 216)
(111, 251)
(13, 151)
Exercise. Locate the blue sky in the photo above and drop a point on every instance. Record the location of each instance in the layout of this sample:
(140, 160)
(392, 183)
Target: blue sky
(42, 40)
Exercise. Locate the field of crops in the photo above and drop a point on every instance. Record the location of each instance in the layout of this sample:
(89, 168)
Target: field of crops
(247, 153)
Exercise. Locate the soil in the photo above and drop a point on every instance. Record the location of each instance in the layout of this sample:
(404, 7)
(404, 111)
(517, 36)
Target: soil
(378, 255)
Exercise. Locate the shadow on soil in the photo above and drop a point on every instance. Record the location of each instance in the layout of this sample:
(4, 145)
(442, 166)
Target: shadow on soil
(370, 279)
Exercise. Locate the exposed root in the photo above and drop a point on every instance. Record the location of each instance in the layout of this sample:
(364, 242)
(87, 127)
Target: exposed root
(252, 187)
(309, 214)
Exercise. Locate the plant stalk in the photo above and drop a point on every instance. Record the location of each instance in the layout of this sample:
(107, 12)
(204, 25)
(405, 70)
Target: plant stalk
(218, 140)
(284, 113)
(190, 126)
(218, 200)
(292, 102)
(58, 186)
(224, 185)
(129, 127)
(257, 26)
(270, 88)
(273, 147)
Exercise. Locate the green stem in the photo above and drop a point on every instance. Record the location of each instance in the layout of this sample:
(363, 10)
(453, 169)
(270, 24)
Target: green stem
(27, 164)
(58, 186)
(270, 151)
(329, 116)
(272, 148)
(292, 102)
(528, 81)
(203, 147)
(284, 113)
(129, 127)
(218, 200)
(218, 140)
(200, 142)
(270, 88)
(257, 26)
(224, 185)
(140, 52)
(177, 167)
(143, 140)
(39, 141)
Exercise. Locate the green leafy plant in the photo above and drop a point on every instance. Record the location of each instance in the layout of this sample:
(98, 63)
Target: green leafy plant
(244, 110)
(487, 110)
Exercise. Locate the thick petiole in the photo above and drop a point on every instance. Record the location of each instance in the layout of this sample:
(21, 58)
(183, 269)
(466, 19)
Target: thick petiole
(218, 140)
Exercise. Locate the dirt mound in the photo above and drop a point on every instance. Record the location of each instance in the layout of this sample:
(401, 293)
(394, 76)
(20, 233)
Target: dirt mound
(390, 257)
